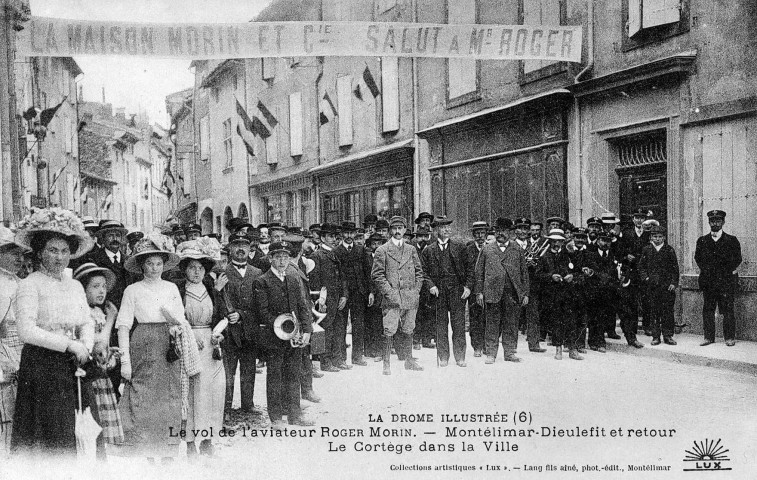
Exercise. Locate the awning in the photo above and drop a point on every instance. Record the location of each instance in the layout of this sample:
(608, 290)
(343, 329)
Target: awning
(493, 110)
(394, 147)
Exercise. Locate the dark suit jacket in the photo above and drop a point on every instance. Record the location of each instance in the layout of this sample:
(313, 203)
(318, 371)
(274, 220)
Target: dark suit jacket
(605, 269)
(259, 260)
(432, 262)
(352, 262)
(658, 268)
(328, 273)
(717, 262)
(552, 263)
(219, 307)
(274, 298)
(495, 266)
(241, 298)
(472, 255)
(123, 278)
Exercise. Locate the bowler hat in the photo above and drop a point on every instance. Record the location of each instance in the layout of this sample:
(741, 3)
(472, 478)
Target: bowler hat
(440, 220)
(370, 219)
(348, 226)
(423, 215)
(381, 223)
(235, 224)
(503, 223)
(328, 228)
(659, 229)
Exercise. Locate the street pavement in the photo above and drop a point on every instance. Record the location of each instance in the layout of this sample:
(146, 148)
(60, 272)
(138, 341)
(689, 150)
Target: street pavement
(645, 397)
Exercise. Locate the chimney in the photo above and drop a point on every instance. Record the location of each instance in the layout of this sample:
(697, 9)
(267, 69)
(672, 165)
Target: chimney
(121, 115)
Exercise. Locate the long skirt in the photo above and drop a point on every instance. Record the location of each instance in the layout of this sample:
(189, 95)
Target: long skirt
(207, 392)
(44, 420)
(151, 404)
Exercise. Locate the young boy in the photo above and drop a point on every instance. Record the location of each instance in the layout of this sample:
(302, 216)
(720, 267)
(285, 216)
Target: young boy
(658, 271)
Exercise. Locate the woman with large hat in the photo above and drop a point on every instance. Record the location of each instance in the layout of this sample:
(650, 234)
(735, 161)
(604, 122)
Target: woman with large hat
(55, 326)
(205, 310)
(151, 403)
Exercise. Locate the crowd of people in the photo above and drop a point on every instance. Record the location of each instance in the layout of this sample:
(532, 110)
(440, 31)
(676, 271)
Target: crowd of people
(158, 324)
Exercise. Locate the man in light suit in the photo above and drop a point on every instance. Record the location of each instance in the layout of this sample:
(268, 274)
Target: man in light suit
(502, 284)
(242, 335)
(398, 276)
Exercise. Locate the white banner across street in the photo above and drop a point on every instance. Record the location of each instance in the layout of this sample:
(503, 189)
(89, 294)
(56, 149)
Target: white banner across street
(57, 37)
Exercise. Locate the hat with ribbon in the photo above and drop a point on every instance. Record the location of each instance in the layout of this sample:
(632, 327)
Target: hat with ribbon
(479, 225)
(89, 269)
(89, 223)
(609, 218)
(107, 225)
(152, 244)
(556, 234)
(54, 220)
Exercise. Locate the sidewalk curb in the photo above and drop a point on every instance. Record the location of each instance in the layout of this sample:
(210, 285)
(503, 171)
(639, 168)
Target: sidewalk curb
(684, 358)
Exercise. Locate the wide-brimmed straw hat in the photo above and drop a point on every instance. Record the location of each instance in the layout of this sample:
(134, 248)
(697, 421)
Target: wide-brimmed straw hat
(152, 244)
(205, 250)
(89, 268)
(556, 234)
(54, 220)
(7, 237)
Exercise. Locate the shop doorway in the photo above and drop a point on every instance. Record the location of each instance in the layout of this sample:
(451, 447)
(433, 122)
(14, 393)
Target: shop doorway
(642, 174)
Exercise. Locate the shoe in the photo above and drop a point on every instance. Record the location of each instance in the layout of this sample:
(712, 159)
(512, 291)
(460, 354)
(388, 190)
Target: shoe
(656, 341)
(387, 358)
(301, 422)
(360, 362)
(613, 335)
(558, 353)
(512, 358)
(706, 342)
(573, 355)
(330, 369)
(428, 345)
(477, 353)
(378, 359)
(489, 360)
(730, 343)
(416, 346)
(581, 350)
(343, 366)
(317, 373)
(443, 363)
(461, 363)
(598, 349)
(670, 341)
(537, 350)
(636, 344)
(412, 364)
(311, 397)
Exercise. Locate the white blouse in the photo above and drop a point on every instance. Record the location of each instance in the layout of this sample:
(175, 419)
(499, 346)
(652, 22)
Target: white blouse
(51, 312)
(142, 301)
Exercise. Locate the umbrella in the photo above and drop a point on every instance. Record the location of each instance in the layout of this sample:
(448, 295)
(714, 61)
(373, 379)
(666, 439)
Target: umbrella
(86, 429)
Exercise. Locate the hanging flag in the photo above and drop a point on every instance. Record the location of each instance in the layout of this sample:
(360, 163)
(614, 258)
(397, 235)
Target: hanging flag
(247, 143)
(84, 195)
(357, 92)
(370, 82)
(272, 122)
(106, 202)
(54, 181)
(328, 111)
(259, 128)
(47, 114)
(245, 118)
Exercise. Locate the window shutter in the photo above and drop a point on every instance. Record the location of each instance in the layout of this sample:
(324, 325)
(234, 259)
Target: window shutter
(660, 12)
(634, 17)
(344, 105)
(295, 124)
(271, 148)
(390, 98)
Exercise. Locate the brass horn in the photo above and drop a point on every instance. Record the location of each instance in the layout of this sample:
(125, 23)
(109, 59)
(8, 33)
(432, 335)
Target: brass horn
(287, 327)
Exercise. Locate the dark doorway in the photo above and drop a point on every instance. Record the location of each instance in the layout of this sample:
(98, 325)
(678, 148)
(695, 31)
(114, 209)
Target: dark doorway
(642, 174)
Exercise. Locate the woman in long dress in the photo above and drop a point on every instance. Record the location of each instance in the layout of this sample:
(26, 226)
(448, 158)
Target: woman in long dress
(151, 404)
(205, 310)
(54, 324)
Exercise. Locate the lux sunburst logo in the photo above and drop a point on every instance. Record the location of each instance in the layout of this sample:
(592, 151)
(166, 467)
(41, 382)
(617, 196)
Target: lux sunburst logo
(708, 455)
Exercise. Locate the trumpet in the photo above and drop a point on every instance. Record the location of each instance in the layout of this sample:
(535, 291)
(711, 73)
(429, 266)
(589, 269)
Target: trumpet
(287, 327)
(536, 251)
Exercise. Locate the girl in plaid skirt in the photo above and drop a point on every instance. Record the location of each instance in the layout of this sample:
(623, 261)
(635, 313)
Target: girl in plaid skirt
(97, 281)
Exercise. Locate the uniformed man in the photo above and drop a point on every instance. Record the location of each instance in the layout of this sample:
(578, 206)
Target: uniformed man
(593, 227)
(530, 321)
(276, 295)
(277, 231)
(554, 222)
(425, 328)
(603, 286)
(477, 321)
(398, 276)
(579, 258)
(357, 277)
(535, 231)
(329, 273)
(445, 271)
(360, 237)
(557, 273)
(265, 238)
(502, 285)
(256, 257)
(193, 231)
(658, 272)
(718, 256)
(632, 243)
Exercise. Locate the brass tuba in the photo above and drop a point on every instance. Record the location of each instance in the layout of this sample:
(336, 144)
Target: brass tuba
(287, 327)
